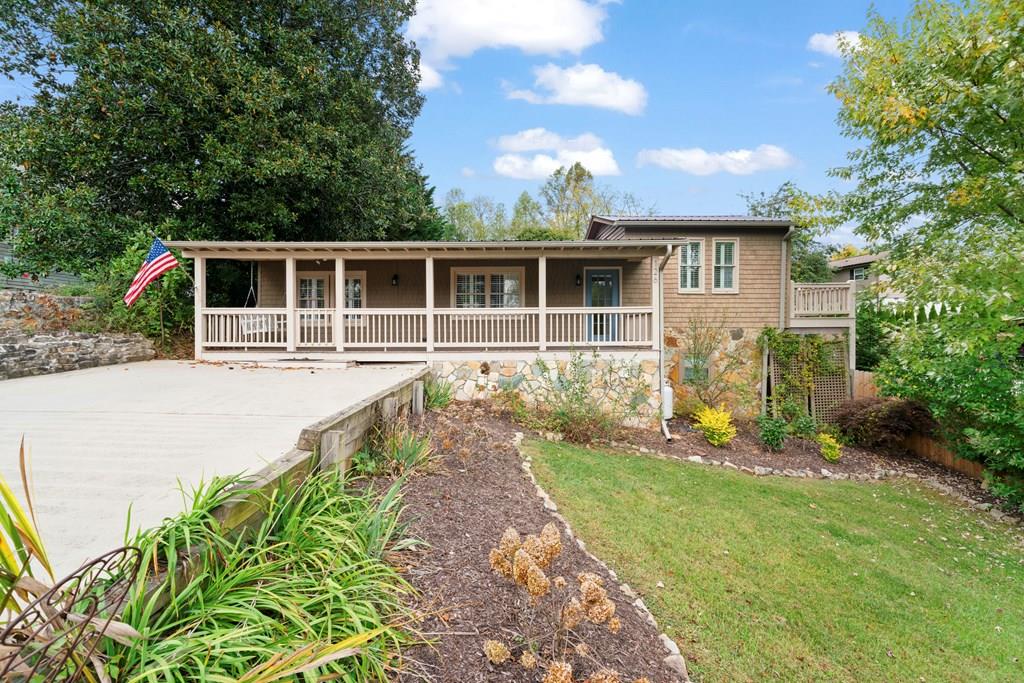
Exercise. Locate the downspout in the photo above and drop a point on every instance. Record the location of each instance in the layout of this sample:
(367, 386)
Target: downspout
(783, 280)
(670, 250)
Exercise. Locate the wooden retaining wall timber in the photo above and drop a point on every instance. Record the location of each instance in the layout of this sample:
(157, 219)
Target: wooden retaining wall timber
(929, 449)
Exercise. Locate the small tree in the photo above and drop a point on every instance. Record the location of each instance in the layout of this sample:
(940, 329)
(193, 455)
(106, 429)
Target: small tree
(708, 368)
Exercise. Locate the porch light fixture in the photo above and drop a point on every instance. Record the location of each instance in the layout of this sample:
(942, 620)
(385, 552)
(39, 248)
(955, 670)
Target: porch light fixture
(579, 280)
(394, 280)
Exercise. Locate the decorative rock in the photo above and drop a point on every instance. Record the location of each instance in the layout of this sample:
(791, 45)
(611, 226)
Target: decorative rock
(697, 459)
(825, 473)
(628, 591)
(730, 465)
(789, 473)
(669, 644)
(762, 471)
(677, 664)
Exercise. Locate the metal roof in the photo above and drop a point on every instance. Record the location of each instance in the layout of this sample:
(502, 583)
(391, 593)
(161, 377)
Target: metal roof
(452, 248)
(839, 264)
(696, 220)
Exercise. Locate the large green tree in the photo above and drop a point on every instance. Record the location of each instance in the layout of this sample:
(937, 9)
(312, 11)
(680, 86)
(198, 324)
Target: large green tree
(935, 105)
(267, 119)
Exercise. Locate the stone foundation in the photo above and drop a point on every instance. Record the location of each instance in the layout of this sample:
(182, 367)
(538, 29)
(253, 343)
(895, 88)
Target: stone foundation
(481, 379)
(35, 338)
(743, 396)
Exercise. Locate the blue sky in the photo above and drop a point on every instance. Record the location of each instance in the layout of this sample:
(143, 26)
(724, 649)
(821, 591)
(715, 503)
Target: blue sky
(653, 94)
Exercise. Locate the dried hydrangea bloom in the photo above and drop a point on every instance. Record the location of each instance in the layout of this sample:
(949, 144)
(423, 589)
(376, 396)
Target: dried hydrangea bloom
(614, 624)
(601, 612)
(582, 649)
(605, 676)
(500, 563)
(583, 577)
(496, 652)
(527, 660)
(558, 672)
(572, 614)
(537, 584)
(535, 547)
(510, 542)
(521, 563)
(642, 679)
(592, 593)
(559, 582)
(551, 540)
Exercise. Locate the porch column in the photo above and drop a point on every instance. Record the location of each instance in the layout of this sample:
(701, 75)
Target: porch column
(200, 305)
(656, 305)
(289, 302)
(339, 304)
(429, 269)
(542, 301)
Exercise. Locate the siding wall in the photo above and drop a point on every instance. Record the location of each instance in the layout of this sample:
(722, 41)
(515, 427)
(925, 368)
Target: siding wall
(51, 281)
(411, 291)
(757, 303)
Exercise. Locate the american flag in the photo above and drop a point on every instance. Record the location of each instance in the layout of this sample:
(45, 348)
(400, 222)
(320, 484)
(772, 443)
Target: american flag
(158, 261)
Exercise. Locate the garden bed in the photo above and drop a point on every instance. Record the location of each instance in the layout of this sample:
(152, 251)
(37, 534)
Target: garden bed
(459, 504)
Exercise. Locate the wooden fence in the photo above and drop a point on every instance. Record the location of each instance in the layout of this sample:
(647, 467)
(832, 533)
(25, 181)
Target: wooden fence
(923, 447)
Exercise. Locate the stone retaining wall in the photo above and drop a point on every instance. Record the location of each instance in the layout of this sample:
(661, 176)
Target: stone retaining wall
(480, 379)
(36, 337)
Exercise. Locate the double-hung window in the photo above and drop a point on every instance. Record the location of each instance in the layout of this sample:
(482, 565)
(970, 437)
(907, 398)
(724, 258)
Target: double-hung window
(691, 267)
(860, 273)
(485, 288)
(726, 276)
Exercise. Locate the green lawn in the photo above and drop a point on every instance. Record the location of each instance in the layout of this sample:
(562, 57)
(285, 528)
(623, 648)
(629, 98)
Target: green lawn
(795, 580)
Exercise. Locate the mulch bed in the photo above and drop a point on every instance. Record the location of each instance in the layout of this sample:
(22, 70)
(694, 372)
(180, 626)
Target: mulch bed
(460, 504)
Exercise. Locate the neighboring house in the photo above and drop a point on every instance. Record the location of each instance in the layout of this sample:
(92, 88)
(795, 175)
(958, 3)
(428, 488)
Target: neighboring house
(26, 281)
(860, 269)
(490, 309)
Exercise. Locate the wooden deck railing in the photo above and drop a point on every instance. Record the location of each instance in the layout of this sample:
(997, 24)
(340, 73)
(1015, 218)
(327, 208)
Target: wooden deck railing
(822, 300)
(408, 328)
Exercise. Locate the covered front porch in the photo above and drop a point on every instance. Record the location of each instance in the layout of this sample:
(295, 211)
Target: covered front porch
(412, 301)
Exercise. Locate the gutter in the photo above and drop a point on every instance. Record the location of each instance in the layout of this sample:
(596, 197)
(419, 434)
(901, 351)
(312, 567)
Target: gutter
(670, 250)
(783, 280)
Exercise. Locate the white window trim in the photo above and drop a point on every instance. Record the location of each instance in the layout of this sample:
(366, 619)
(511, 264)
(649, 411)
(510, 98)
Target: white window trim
(329, 289)
(735, 289)
(853, 273)
(587, 279)
(703, 267)
(488, 271)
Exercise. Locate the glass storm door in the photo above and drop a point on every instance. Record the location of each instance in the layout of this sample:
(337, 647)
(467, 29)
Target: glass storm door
(602, 292)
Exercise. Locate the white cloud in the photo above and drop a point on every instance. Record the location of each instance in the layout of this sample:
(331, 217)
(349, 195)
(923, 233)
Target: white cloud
(697, 161)
(554, 151)
(468, 172)
(830, 43)
(430, 77)
(447, 29)
(587, 85)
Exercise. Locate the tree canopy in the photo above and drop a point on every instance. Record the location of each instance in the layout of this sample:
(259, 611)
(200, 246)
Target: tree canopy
(216, 119)
(809, 259)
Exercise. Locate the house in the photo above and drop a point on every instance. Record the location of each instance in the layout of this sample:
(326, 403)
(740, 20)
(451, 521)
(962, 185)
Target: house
(26, 281)
(860, 269)
(482, 312)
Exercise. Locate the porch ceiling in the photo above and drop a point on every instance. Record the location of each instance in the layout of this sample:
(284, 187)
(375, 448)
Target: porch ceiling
(566, 249)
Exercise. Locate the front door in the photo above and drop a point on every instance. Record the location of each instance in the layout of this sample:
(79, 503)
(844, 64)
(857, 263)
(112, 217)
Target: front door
(602, 292)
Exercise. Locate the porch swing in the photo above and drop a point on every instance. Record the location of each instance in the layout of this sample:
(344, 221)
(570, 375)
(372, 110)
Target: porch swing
(255, 327)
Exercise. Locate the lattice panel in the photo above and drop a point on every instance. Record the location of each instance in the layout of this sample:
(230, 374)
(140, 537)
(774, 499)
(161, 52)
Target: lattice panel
(830, 389)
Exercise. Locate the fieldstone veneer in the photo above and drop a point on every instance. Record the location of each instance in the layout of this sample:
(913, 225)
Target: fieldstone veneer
(35, 338)
(476, 379)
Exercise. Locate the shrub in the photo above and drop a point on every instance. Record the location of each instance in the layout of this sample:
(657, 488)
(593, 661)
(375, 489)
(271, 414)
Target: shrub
(438, 393)
(711, 370)
(391, 447)
(716, 425)
(772, 432)
(804, 425)
(883, 422)
(830, 448)
(585, 401)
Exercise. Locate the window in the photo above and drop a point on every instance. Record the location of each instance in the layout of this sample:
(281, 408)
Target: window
(695, 369)
(312, 292)
(726, 278)
(691, 267)
(860, 273)
(355, 293)
(483, 288)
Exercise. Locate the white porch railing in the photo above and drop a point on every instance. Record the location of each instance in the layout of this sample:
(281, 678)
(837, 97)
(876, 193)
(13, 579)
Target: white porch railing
(487, 327)
(620, 326)
(316, 326)
(825, 300)
(245, 327)
(406, 328)
(385, 328)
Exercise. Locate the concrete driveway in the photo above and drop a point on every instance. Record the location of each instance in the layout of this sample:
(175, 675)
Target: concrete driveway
(132, 435)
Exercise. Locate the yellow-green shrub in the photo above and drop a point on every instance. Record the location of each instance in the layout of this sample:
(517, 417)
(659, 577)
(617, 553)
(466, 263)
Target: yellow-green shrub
(716, 425)
(831, 450)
